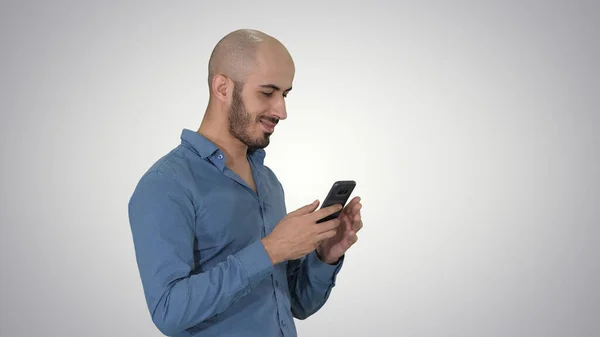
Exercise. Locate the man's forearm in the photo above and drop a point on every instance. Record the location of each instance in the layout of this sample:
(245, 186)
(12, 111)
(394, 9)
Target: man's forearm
(180, 304)
(310, 281)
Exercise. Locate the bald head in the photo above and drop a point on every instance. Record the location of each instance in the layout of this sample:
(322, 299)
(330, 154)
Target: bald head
(250, 74)
(235, 54)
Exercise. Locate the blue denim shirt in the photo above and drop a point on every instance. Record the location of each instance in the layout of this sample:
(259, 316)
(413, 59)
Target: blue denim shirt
(196, 228)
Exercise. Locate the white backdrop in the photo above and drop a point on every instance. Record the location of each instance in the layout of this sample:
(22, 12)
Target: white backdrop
(471, 128)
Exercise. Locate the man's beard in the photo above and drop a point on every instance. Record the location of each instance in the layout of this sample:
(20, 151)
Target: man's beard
(240, 120)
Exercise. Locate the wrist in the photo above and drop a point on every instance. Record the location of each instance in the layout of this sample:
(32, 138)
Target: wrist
(324, 259)
(272, 251)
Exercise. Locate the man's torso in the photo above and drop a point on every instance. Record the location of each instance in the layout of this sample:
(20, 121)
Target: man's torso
(230, 215)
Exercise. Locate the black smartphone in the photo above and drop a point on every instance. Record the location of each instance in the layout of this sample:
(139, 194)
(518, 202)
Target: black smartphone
(338, 194)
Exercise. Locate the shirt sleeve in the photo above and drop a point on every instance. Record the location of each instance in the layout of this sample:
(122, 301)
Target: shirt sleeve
(310, 281)
(162, 220)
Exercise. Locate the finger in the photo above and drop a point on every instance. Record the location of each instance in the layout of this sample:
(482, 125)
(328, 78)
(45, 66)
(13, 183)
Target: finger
(350, 235)
(353, 213)
(307, 209)
(349, 207)
(344, 217)
(357, 224)
(332, 224)
(324, 212)
(352, 240)
(355, 209)
(346, 221)
(326, 235)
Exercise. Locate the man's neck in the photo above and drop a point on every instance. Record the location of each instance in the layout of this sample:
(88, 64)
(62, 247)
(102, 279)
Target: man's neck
(234, 150)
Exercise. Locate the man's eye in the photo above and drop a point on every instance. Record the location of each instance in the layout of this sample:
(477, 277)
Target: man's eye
(269, 94)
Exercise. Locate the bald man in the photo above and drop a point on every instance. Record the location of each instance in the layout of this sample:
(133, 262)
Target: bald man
(217, 252)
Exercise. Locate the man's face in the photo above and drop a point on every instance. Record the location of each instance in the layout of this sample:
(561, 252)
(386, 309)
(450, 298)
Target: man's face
(259, 104)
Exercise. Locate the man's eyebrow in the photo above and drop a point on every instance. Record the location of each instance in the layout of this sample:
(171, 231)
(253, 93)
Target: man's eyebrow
(274, 87)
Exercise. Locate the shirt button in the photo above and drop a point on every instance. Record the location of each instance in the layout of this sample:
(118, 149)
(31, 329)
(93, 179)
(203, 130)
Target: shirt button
(220, 156)
(283, 322)
(276, 284)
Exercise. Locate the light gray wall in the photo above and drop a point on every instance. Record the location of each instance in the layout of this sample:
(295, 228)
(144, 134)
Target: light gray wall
(472, 129)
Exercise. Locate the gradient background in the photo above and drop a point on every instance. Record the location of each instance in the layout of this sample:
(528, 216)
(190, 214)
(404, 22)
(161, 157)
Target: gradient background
(472, 129)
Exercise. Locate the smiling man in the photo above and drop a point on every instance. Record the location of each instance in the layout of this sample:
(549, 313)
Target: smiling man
(217, 252)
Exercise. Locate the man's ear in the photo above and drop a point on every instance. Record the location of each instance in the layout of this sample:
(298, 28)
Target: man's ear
(222, 87)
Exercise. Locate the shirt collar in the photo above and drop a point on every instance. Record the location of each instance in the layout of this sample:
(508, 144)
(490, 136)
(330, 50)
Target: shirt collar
(207, 149)
(258, 155)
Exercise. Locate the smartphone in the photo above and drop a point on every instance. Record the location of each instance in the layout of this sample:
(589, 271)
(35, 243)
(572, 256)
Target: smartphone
(338, 194)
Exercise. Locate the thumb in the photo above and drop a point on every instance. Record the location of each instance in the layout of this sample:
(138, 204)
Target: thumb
(306, 209)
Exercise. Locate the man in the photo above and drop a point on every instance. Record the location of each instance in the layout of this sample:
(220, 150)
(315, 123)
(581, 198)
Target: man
(216, 251)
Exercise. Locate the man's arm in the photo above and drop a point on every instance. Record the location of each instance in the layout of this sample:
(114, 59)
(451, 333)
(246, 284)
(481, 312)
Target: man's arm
(162, 219)
(310, 282)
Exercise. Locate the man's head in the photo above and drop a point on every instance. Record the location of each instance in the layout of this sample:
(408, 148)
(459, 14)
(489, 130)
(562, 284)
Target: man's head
(250, 74)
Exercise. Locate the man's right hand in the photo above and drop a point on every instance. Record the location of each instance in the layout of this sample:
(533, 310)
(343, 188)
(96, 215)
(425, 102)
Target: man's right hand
(298, 233)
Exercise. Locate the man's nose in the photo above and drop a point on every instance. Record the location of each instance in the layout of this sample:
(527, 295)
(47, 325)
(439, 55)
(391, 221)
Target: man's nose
(279, 109)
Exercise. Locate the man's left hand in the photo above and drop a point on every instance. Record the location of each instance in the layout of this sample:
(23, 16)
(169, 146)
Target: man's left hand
(330, 250)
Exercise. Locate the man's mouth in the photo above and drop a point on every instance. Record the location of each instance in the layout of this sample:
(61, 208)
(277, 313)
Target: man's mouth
(268, 124)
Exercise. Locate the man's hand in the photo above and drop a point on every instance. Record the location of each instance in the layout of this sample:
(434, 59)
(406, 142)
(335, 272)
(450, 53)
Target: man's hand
(330, 250)
(298, 233)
